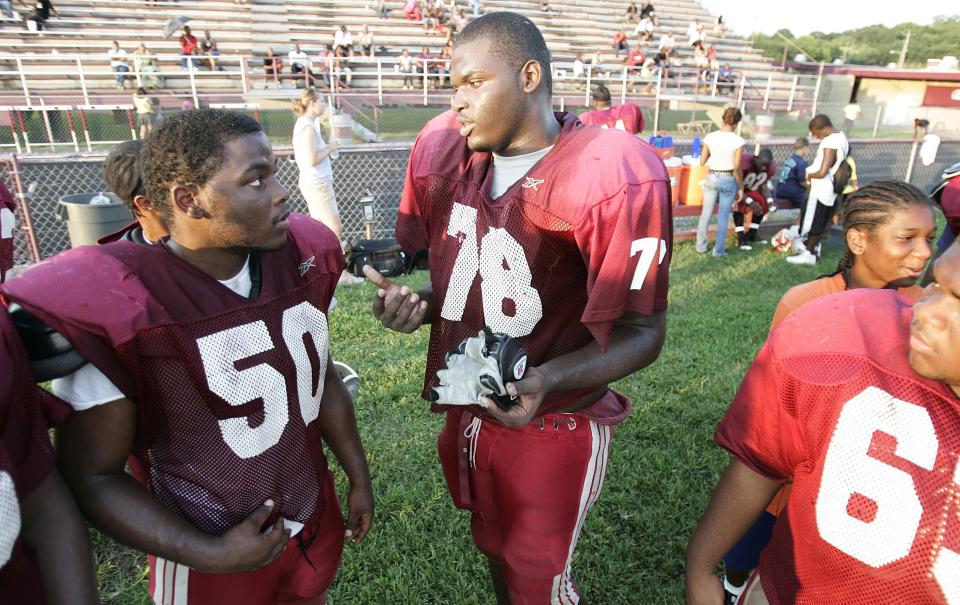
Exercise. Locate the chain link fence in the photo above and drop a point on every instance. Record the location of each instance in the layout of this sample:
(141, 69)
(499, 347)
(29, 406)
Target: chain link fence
(377, 170)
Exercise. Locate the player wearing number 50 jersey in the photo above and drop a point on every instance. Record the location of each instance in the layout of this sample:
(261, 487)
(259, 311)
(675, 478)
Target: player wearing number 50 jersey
(209, 357)
(855, 398)
(559, 235)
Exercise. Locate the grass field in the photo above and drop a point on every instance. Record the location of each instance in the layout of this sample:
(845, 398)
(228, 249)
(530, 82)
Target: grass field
(662, 469)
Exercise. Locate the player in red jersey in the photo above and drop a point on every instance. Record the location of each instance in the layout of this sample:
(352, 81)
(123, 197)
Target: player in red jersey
(757, 172)
(8, 222)
(627, 117)
(209, 358)
(122, 174)
(556, 234)
(45, 554)
(855, 398)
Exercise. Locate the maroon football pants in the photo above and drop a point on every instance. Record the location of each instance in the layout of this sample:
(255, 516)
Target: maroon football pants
(529, 490)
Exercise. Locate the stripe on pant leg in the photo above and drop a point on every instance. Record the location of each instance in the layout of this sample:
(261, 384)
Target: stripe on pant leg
(158, 565)
(181, 579)
(564, 592)
(168, 570)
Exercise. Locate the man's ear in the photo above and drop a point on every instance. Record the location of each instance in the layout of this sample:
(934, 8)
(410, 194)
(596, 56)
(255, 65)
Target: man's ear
(531, 76)
(185, 200)
(142, 205)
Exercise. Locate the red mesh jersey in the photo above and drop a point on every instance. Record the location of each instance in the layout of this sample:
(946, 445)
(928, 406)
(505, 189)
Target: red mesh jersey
(950, 202)
(872, 448)
(228, 388)
(26, 458)
(8, 221)
(625, 117)
(753, 179)
(583, 238)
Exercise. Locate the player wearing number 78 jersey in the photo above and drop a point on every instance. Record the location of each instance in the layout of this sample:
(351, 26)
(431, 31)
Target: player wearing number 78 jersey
(855, 398)
(560, 238)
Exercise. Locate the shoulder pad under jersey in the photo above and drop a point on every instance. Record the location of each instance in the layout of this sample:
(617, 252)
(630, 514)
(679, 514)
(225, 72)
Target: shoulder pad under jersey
(50, 354)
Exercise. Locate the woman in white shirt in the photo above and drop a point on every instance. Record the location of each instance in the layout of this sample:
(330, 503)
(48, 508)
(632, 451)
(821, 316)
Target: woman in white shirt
(722, 152)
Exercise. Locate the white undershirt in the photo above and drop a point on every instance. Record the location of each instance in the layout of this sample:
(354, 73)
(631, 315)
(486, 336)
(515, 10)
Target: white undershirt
(507, 170)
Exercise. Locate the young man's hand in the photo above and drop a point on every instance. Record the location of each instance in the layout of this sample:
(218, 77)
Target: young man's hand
(397, 307)
(245, 546)
(359, 512)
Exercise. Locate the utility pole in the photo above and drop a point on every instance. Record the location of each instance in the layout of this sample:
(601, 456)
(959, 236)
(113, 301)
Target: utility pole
(903, 51)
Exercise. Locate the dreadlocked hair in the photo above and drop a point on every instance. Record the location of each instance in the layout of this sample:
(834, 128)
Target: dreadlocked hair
(872, 206)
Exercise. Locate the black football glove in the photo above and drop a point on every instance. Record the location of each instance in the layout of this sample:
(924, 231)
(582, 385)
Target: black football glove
(481, 366)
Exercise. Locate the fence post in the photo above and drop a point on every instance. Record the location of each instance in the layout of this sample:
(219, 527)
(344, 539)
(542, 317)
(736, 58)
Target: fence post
(425, 82)
(876, 122)
(23, 128)
(46, 124)
(13, 127)
(193, 86)
(23, 82)
(743, 84)
(716, 78)
(623, 86)
(816, 90)
(913, 158)
(243, 74)
(766, 92)
(562, 99)
(379, 82)
(83, 80)
(24, 205)
(656, 102)
(586, 94)
(793, 91)
(73, 132)
(86, 128)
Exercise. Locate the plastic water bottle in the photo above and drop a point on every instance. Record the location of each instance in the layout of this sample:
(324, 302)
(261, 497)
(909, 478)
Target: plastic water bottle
(100, 200)
(695, 151)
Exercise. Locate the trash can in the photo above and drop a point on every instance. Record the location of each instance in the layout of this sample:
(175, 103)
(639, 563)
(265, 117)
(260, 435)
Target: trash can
(86, 222)
(341, 128)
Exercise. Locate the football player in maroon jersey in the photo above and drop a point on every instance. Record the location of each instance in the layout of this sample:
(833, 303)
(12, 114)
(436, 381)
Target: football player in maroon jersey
(8, 221)
(558, 235)
(855, 399)
(209, 367)
(627, 116)
(45, 554)
(757, 171)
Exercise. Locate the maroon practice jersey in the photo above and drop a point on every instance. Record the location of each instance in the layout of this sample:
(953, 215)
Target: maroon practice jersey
(582, 239)
(872, 448)
(26, 459)
(624, 117)
(754, 182)
(228, 388)
(8, 221)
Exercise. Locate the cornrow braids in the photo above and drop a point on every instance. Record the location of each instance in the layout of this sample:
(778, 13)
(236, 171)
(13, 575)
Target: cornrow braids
(872, 206)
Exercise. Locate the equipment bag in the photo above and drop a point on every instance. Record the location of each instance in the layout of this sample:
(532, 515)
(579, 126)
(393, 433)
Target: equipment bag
(384, 255)
(842, 176)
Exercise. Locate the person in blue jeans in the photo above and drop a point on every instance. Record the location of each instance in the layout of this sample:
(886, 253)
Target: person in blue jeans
(722, 151)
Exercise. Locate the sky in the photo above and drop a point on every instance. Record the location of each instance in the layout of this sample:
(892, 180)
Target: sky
(747, 16)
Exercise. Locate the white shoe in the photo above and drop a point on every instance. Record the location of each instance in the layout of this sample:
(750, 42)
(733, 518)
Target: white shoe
(746, 247)
(804, 258)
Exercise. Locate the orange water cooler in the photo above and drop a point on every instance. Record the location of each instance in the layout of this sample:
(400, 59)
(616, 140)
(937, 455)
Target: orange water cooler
(691, 184)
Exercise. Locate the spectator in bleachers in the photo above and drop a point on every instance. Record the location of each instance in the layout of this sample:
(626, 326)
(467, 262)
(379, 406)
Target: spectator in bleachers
(620, 43)
(647, 72)
(208, 47)
(644, 29)
(326, 60)
(695, 33)
(460, 20)
(596, 63)
(300, 64)
(147, 109)
(119, 64)
(406, 68)
(343, 42)
(425, 65)
(382, 11)
(145, 62)
(702, 64)
(578, 68)
(42, 9)
(443, 67)
(627, 116)
(633, 13)
(7, 7)
(634, 60)
(272, 65)
(545, 7)
(476, 6)
(726, 79)
(188, 47)
(365, 37)
(792, 180)
(341, 68)
(411, 9)
(667, 43)
(718, 29)
(647, 12)
(712, 57)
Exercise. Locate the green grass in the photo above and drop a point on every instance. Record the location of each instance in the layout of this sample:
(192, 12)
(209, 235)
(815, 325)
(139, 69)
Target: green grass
(662, 469)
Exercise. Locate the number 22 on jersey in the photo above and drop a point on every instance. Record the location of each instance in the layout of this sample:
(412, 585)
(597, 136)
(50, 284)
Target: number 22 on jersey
(504, 272)
(851, 475)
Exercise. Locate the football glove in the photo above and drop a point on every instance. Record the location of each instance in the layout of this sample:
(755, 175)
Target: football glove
(481, 366)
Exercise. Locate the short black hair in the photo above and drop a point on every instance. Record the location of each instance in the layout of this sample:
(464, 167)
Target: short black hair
(513, 38)
(601, 93)
(188, 147)
(820, 121)
(122, 174)
(765, 154)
